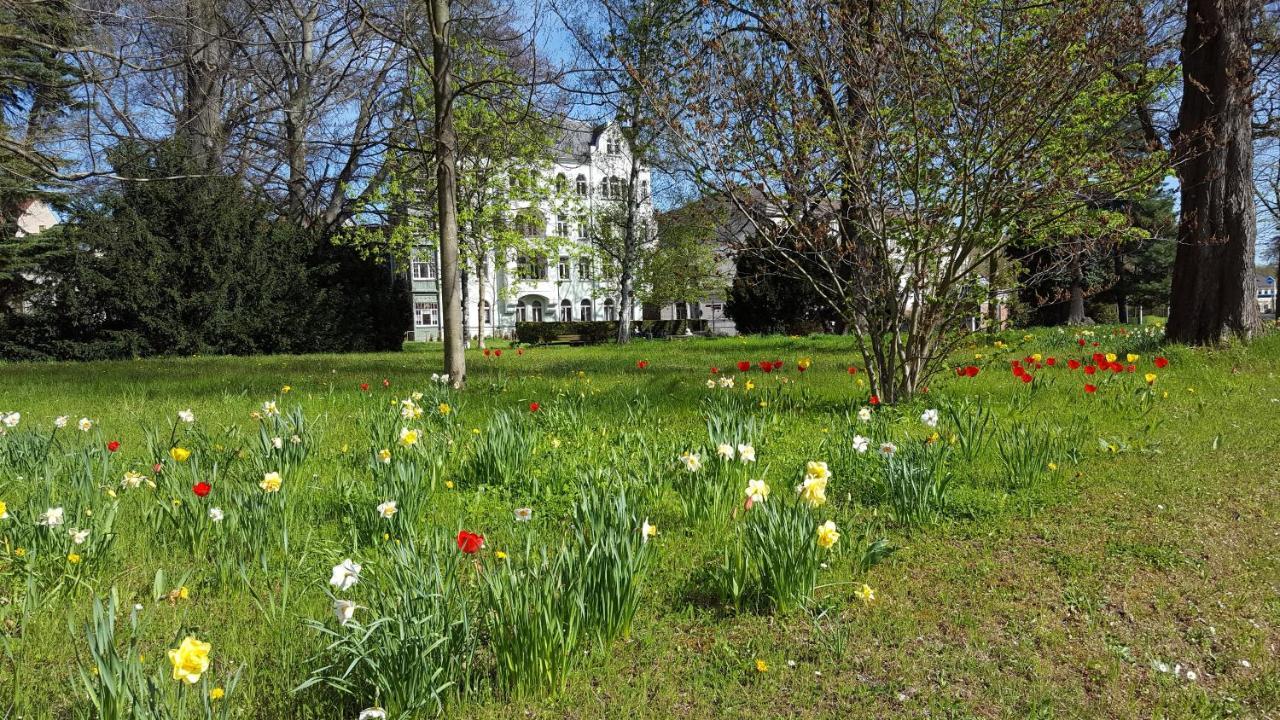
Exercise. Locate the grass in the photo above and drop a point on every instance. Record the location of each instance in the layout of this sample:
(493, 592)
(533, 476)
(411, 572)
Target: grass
(1053, 596)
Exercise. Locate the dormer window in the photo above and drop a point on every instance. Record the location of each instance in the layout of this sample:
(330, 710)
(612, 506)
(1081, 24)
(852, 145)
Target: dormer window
(611, 144)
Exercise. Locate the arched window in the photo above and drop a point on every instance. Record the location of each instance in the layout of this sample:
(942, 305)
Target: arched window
(566, 311)
(582, 185)
(522, 312)
(535, 309)
(609, 310)
(613, 187)
(562, 184)
(586, 314)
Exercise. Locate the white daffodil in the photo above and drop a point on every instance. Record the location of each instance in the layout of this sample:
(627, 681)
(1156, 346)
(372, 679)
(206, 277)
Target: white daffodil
(132, 479)
(711, 384)
(186, 416)
(929, 417)
(12, 419)
(523, 514)
(691, 461)
(78, 536)
(277, 442)
(747, 453)
(888, 449)
(864, 414)
(373, 713)
(725, 450)
(61, 421)
(861, 443)
(344, 610)
(215, 514)
(270, 409)
(387, 509)
(726, 382)
(408, 437)
(52, 518)
(647, 531)
(757, 491)
(345, 574)
(85, 424)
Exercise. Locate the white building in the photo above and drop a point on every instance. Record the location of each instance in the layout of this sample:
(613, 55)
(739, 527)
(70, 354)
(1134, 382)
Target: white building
(592, 163)
(1266, 294)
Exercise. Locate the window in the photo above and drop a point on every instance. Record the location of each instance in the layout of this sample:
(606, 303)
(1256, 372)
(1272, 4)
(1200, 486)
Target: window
(611, 144)
(611, 187)
(584, 268)
(531, 267)
(609, 310)
(531, 224)
(562, 226)
(488, 313)
(586, 315)
(424, 265)
(644, 189)
(425, 313)
(682, 311)
(562, 184)
(566, 311)
(582, 185)
(528, 312)
(562, 272)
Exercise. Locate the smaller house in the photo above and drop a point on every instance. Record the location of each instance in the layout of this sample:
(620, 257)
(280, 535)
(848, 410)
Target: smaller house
(1266, 294)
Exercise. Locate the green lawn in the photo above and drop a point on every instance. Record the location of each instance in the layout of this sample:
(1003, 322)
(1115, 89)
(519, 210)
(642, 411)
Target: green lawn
(1145, 536)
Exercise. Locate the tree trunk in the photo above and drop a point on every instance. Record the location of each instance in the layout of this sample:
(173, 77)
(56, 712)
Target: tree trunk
(1212, 295)
(205, 60)
(1076, 315)
(482, 267)
(445, 140)
(296, 118)
(993, 295)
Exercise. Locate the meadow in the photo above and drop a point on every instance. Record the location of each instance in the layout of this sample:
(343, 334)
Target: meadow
(1069, 523)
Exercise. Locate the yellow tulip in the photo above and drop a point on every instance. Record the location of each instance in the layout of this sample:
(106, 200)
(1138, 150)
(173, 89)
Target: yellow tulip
(1111, 357)
(1131, 357)
(1150, 378)
(190, 660)
(179, 454)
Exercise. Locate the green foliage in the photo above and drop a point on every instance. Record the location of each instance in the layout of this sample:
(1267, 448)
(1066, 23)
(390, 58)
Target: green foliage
(196, 266)
(916, 483)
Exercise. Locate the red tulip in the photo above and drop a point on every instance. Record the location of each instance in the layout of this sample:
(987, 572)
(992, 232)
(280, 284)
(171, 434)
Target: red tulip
(1099, 359)
(157, 468)
(1095, 343)
(743, 366)
(959, 372)
(113, 446)
(469, 542)
(1026, 377)
(364, 387)
(1051, 361)
(853, 370)
(486, 352)
(1161, 361)
(874, 400)
(1073, 364)
(766, 366)
(497, 353)
(1080, 341)
(971, 370)
(386, 382)
(715, 370)
(642, 364)
(1089, 369)
(1130, 368)
(799, 367)
(201, 489)
(533, 407)
(1091, 389)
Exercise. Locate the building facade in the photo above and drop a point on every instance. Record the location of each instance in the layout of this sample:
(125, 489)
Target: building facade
(565, 282)
(1266, 294)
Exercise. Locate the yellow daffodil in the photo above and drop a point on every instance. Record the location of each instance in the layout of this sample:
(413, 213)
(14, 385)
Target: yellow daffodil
(1053, 467)
(179, 454)
(285, 389)
(190, 660)
(384, 455)
(500, 555)
(4, 510)
(813, 490)
(271, 482)
(757, 491)
(751, 385)
(408, 437)
(828, 535)
(448, 484)
(817, 469)
(444, 408)
(865, 594)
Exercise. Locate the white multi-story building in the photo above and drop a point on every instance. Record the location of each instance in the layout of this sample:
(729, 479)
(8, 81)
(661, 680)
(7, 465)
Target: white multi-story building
(564, 283)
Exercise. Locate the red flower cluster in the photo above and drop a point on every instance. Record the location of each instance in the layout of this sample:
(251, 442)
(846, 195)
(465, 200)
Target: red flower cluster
(1091, 389)
(113, 446)
(201, 489)
(469, 542)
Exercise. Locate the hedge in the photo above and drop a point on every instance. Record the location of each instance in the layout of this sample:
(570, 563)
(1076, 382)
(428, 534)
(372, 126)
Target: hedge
(598, 331)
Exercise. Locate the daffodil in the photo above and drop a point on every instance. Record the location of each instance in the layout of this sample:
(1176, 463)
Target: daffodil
(387, 509)
(751, 385)
(929, 417)
(692, 462)
(345, 574)
(344, 610)
(647, 531)
(384, 455)
(864, 414)
(828, 535)
(408, 437)
(725, 451)
(817, 469)
(271, 482)
(444, 408)
(269, 408)
(52, 517)
(757, 491)
(4, 511)
(865, 594)
(85, 424)
(190, 660)
(747, 453)
(860, 443)
(813, 490)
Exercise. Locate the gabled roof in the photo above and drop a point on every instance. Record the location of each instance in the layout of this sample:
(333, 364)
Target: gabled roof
(577, 137)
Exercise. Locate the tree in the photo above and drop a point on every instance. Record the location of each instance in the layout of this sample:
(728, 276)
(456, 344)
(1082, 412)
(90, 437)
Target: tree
(1213, 292)
(624, 48)
(684, 265)
(891, 152)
